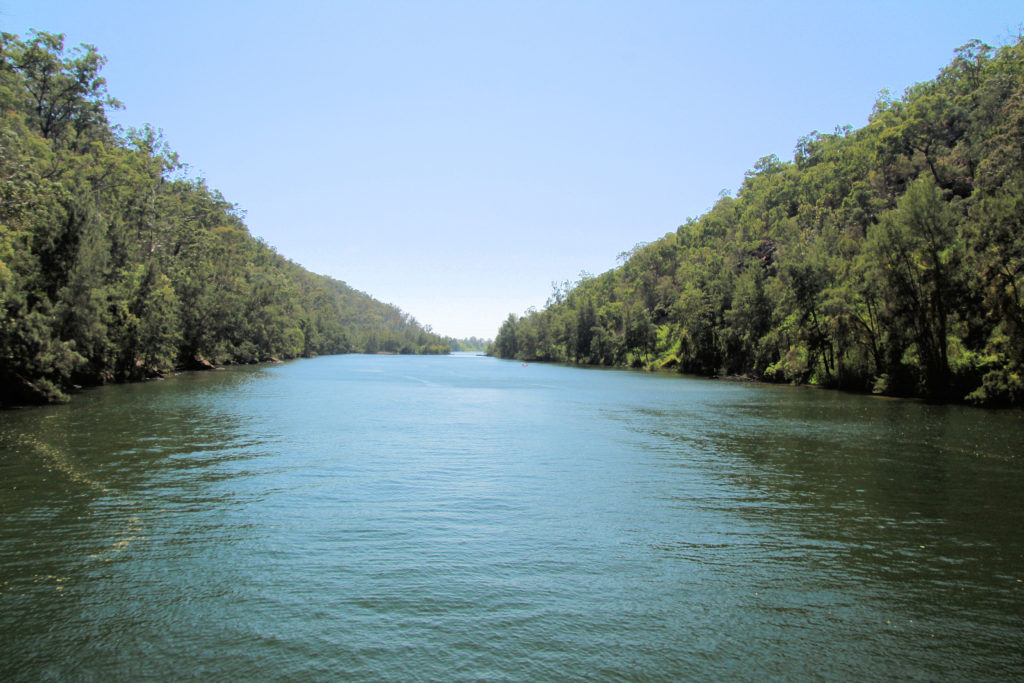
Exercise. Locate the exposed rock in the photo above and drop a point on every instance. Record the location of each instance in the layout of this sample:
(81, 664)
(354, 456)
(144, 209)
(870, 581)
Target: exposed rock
(200, 363)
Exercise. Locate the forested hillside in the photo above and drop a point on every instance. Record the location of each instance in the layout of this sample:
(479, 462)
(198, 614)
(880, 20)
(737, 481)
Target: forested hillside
(115, 265)
(886, 259)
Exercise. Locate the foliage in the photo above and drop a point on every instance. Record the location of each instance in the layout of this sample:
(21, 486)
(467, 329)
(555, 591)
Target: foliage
(115, 266)
(469, 344)
(886, 259)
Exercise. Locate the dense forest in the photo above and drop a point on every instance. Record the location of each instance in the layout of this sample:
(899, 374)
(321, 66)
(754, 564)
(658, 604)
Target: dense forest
(115, 265)
(887, 259)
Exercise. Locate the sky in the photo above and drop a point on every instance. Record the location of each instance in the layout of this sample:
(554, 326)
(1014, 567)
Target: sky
(456, 158)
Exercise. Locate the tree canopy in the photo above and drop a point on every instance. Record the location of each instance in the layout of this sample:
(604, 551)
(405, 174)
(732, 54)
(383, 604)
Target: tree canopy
(115, 265)
(886, 259)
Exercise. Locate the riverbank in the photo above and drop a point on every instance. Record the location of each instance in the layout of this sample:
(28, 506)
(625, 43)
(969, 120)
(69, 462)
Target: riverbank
(23, 393)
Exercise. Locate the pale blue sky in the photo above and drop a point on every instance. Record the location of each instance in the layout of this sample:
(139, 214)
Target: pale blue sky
(455, 158)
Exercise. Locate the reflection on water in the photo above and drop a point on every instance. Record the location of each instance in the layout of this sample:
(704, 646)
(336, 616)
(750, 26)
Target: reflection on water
(391, 518)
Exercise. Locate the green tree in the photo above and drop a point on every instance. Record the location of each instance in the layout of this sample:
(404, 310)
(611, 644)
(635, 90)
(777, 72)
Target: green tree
(66, 97)
(919, 255)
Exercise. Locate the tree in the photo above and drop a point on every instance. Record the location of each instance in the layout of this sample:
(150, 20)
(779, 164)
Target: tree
(506, 343)
(67, 98)
(919, 256)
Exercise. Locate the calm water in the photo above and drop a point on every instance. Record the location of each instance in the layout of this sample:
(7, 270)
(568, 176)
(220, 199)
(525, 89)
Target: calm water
(464, 518)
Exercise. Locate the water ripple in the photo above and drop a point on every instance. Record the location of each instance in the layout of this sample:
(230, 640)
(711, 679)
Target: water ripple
(390, 518)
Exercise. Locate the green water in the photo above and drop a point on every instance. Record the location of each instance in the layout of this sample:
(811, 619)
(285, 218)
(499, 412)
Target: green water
(464, 518)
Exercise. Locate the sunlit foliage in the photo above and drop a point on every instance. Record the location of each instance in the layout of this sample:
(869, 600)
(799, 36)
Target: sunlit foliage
(115, 265)
(886, 259)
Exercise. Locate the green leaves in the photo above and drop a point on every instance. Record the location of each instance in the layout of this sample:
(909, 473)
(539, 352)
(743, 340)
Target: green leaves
(918, 252)
(64, 96)
(887, 259)
(113, 266)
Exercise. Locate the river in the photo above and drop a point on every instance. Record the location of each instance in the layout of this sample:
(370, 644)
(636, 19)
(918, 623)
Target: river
(465, 518)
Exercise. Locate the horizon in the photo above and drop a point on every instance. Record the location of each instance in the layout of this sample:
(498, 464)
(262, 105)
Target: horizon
(455, 159)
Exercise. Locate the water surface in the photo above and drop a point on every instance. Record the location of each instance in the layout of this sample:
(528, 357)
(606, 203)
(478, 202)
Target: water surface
(464, 518)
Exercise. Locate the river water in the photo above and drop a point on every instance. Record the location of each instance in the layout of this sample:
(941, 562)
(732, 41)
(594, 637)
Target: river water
(464, 518)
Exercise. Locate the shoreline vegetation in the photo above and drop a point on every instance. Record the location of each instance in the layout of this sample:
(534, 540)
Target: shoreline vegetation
(115, 265)
(885, 260)
(471, 344)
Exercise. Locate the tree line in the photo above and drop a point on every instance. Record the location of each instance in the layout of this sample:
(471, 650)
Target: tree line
(470, 344)
(116, 265)
(887, 259)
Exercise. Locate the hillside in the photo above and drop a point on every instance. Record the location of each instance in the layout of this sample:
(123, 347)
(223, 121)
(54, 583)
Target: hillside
(115, 265)
(886, 259)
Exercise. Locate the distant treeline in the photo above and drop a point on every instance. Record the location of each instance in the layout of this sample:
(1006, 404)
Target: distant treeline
(886, 259)
(470, 344)
(114, 265)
